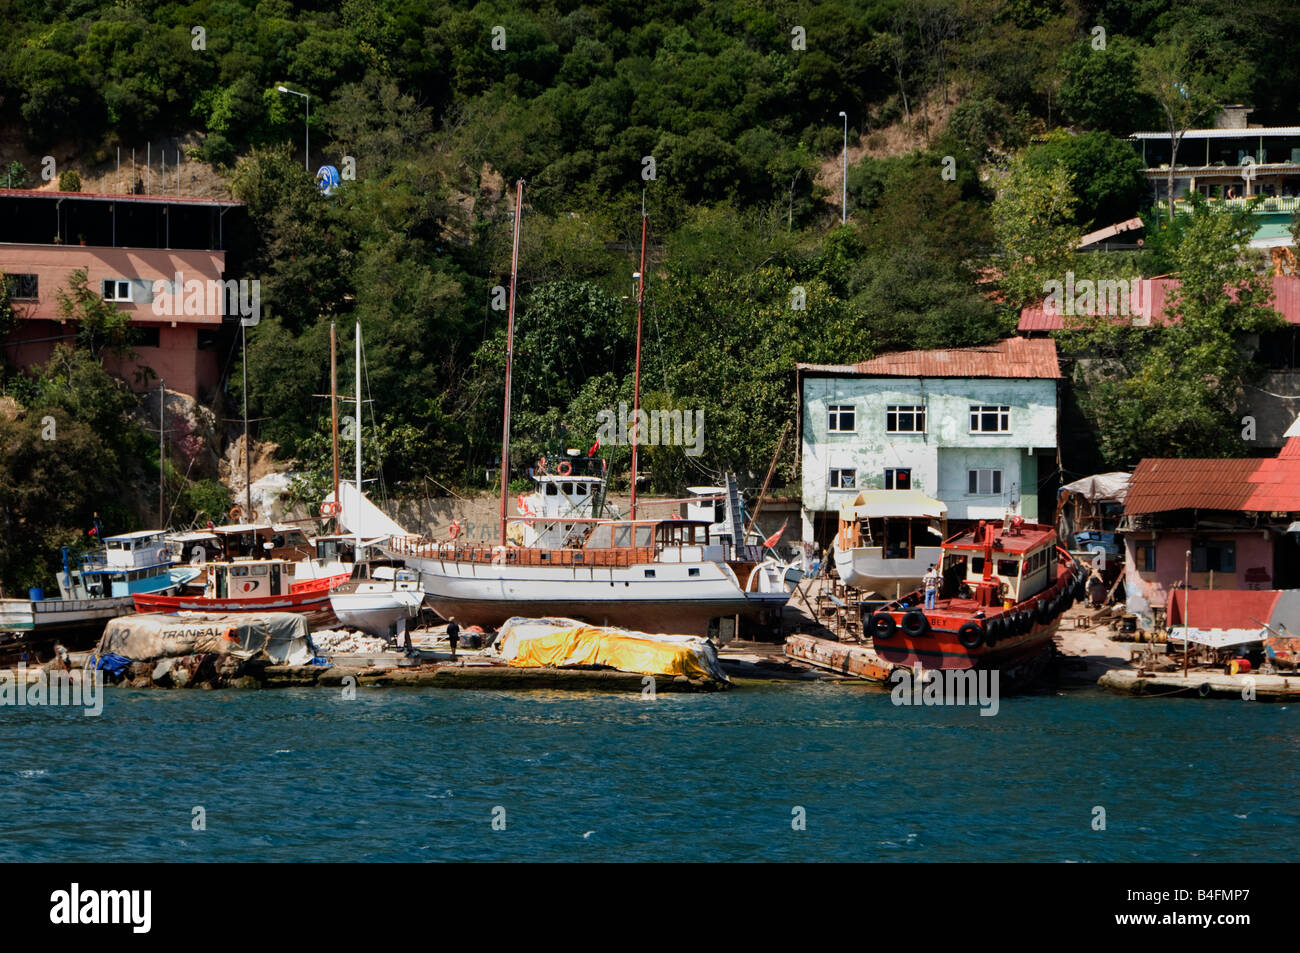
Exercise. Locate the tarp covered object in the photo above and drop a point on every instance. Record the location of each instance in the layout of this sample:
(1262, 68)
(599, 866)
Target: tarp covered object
(1101, 487)
(281, 637)
(556, 642)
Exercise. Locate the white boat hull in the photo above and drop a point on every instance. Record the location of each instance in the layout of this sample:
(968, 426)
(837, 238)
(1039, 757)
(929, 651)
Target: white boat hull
(865, 568)
(377, 613)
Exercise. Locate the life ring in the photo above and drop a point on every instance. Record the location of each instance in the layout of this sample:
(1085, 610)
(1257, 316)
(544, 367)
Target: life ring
(915, 624)
(524, 508)
(454, 530)
(970, 635)
(235, 513)
(882, 626)
(564, 468)
(330, 508)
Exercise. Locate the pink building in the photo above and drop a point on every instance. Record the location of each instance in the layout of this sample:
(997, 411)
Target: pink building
(1212, 524)
(126, 244)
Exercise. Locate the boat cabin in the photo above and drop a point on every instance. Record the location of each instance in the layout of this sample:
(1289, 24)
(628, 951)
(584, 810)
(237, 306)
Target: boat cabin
(893, 523)
(195, 547)
(249, 579)
(1000, 564)
(128, 564)
(263, 541)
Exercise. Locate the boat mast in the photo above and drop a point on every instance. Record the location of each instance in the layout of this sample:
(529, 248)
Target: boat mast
(510, 357)
(357, 515)
(636, 385)
(162, 452)
(334, 412)
(248, 482)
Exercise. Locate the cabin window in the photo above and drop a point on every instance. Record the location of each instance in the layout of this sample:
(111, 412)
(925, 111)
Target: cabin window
(259, 570)
(905, 418)
(983, 482)
(843, 479)
(693, 571)
(581, 489)
(990, 418)
(977, 566)
(898, 478)
(116, 289)
(841, 418)
(1008, 568)
(644, 535)
(552, 489)
(1214, 556)
(566, 489)
(649, 573)
(23, 287)
(622, 536)
(239, 570)
(1146, 557)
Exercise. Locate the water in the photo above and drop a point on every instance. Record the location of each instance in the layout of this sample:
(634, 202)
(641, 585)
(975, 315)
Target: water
(411, 775)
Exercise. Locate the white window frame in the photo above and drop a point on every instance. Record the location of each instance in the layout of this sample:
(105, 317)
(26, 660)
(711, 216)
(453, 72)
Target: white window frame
(993, 482)
(978, 412)
(117, 295)
(835, 478)
(891, 477)
(835, 414)
(894, 411)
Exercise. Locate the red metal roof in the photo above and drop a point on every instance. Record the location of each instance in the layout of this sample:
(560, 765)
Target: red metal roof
(1150, 303)
(153, 198)
(1012, 358)
(1222, 608)
(1249, 485)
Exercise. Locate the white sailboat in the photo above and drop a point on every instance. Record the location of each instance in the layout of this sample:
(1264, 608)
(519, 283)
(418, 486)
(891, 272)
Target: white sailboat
(653, 575)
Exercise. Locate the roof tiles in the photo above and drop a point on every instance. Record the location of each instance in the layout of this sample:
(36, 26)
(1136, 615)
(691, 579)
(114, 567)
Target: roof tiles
(1010, 358)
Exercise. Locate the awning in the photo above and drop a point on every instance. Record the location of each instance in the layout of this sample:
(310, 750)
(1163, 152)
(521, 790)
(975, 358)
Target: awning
(1219, 638)
(874, 504)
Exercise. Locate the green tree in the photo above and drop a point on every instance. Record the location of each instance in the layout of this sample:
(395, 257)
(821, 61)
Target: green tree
(1033, 221)
(1169, 74)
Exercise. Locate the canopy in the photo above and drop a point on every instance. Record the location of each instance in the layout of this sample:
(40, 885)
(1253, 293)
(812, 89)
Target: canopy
(1218, 638)
(281, 637)
(874, 504)
(1100, 487)
(533, 643)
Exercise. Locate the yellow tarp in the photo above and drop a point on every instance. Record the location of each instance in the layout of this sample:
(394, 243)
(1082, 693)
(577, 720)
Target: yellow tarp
(559, 642)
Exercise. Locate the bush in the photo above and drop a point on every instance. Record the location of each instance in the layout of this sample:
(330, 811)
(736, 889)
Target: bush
(70, 181)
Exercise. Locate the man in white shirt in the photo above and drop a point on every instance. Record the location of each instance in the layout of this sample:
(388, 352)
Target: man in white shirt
(931, 583)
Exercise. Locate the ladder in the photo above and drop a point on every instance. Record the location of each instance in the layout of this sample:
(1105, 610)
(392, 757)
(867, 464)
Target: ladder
(735, 512)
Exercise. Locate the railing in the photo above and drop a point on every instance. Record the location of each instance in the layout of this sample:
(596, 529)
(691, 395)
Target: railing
(1275, 203)
(520, 556)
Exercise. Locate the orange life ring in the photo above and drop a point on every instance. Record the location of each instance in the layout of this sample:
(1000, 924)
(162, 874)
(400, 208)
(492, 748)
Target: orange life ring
(564, 468)
(454, 530)
(523, 506)
(235, 513)
(330, 508)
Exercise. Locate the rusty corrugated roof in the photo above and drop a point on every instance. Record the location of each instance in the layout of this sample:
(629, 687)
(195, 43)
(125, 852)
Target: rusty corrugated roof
(1011, 358)
(1247, 485)
(1222, 608)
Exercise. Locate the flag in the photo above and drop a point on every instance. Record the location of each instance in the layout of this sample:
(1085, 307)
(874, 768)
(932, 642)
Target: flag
(93, 531)
(594, 447)
(772, 540)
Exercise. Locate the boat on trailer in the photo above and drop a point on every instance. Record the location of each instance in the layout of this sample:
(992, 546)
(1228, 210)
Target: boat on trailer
(1004, 587)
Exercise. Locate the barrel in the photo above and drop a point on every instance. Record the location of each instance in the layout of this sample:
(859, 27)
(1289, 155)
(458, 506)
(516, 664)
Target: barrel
(36, 594)
(1239, 666)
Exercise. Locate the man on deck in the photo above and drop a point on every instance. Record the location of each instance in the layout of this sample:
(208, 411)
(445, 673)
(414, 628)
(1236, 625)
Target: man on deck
(931, 582)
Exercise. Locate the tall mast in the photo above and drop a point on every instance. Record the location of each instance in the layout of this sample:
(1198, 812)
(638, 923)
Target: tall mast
(357, 515)
(510, 358)
(334, 411)
(248, 481)
(162, 452)
(636, 386)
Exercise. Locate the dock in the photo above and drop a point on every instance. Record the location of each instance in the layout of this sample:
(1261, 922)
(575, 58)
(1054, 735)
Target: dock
(1202, 684)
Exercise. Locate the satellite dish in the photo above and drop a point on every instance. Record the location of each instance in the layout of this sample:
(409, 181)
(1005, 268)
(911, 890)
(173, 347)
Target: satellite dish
(327, 179)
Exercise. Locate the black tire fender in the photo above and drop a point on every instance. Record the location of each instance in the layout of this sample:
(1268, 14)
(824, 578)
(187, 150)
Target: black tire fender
(915, 624)
(882, 626)
(970, 635)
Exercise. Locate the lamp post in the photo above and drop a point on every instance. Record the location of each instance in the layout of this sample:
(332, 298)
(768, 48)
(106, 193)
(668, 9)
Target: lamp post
(306, 137)
(844, 194)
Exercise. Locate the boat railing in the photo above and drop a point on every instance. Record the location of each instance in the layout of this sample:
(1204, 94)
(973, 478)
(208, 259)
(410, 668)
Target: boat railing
(521, 556)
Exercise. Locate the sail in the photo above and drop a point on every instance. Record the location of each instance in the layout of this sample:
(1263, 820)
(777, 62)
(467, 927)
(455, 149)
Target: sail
(362, 517)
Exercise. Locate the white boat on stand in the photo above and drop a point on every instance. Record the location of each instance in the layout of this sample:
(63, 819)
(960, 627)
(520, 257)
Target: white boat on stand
(381, 598)
(888, 539)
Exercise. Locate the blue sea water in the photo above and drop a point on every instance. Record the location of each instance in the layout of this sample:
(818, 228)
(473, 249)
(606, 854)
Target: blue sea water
(420, 775)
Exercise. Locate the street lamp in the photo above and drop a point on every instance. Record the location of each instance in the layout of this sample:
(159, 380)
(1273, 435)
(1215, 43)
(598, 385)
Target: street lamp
(844, 200)
(306, 153)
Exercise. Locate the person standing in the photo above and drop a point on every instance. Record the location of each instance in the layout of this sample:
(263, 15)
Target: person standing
(453, 634)
(931, 583)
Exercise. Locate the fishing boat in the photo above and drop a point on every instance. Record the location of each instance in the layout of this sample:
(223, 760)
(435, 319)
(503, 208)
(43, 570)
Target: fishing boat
(380, 597)
(251, 585)
(1004, 586)
(565, 557)
(888, 539)
(94, 588)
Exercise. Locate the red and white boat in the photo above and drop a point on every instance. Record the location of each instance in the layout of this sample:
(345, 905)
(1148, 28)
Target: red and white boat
(1004, 588)
(253, 585)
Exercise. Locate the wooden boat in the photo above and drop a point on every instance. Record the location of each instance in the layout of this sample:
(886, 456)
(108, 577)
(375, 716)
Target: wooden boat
(380, 597)
(252, 585)
(888, 540)
(1004, 588)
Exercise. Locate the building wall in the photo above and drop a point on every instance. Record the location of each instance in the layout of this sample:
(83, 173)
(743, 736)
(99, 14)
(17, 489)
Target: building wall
(1147, 590)
(938, 458)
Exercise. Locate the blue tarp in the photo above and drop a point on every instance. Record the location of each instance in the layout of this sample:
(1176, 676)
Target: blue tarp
(115, 665)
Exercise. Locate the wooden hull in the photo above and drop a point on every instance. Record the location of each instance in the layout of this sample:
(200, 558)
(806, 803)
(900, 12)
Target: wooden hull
(313, 604)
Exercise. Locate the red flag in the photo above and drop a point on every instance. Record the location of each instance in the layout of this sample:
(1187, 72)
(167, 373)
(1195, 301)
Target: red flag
(772, 540)
(92, 532)
(594, 447)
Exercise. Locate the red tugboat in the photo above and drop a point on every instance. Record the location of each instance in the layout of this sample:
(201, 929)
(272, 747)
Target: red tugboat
(1003, 589)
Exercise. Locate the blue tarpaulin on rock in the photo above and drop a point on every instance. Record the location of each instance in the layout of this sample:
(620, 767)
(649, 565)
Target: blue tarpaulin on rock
(115, 665)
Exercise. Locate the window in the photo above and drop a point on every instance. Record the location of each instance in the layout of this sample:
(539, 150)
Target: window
(990, 418)
(1008, 568)
(148, 337)
(1146, 557)
(1213, 556)
(23, 287)
(898, 478)
(841, 418)
(905, 418)
(649, 573)
(692, 572)
(841, 479)
(984, 482)
(116, 289)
